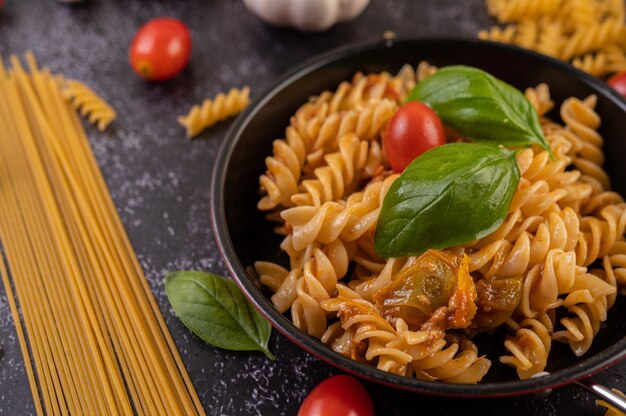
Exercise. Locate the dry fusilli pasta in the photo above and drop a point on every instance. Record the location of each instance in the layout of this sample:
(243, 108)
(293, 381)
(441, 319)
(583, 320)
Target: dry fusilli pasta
(214, 110)
(588, 33)
(516, 10)
(503, 35)
(89, 104)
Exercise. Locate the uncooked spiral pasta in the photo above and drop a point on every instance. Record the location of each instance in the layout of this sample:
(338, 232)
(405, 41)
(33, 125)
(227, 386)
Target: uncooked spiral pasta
(596, 64)
(548, 273)
(594, 37)
(89, 104)
(550, 39)
(497, 34)
(214, 110)
(588, 34)
(527, 35)
(516, 10)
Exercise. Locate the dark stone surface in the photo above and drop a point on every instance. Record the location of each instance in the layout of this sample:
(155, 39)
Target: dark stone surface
(160, 181)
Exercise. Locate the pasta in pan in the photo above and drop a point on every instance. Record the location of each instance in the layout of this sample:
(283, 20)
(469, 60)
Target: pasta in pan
(547, 274)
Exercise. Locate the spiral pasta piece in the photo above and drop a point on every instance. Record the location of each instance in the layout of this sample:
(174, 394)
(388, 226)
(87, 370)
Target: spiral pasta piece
(424, 70)
(540, 99)
(375, 282)
(598, 200)
(588, 305)
(285, 295)
(497, 34)
(366, 122)
(581, 118)
(515, 10)
(581, 13)
(211, 111)
(459, 362)
(527, 34)
(370, 330)
(600, 234)
(306, 313)
(270, 274)
(617, 265)
(333, 220)
(283, 170)
(616, 58)
(356, 160)
(609, 59)
(551, 39)
(356, 94)
(594, 64)
(372, 88)
(90, 105)
(593, 38)
(611, 8)
(408, 77)
(530, 345)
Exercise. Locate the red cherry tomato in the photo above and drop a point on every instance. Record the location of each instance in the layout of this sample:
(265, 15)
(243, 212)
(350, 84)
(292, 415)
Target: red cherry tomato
(160, 49)
(414, 129)
(340, 395)
(618, 81)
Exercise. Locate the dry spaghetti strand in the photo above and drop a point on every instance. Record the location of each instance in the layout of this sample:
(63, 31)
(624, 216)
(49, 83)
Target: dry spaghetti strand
(93, 338)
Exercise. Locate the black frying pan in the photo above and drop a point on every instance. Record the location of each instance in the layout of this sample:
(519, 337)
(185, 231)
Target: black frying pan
(244, 236)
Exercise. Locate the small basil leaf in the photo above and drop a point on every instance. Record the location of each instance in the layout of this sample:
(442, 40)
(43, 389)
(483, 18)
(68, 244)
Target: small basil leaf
(214, 309)
(450, 195)
(481, 107)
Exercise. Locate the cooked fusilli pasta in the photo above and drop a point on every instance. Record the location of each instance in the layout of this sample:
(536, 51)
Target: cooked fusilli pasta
(90, 105)
(560, 248)
(539, 97)
(214, 110)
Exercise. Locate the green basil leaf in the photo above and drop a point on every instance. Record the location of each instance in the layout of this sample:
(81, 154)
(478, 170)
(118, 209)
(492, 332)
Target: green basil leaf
(450, 195)
(481, 107)
(214, 309)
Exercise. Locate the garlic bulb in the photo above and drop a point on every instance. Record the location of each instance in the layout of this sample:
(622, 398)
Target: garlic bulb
(306, 15)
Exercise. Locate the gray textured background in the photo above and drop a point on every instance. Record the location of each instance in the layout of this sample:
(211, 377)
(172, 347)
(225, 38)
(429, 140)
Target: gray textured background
(160, 181)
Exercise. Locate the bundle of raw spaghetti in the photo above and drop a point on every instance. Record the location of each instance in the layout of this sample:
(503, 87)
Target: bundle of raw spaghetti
(92, 336)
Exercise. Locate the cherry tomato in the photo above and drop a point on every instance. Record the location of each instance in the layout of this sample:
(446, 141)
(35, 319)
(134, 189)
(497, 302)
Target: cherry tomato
(414, 129)
(340, 395)
(160, 49)
(618, 81)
